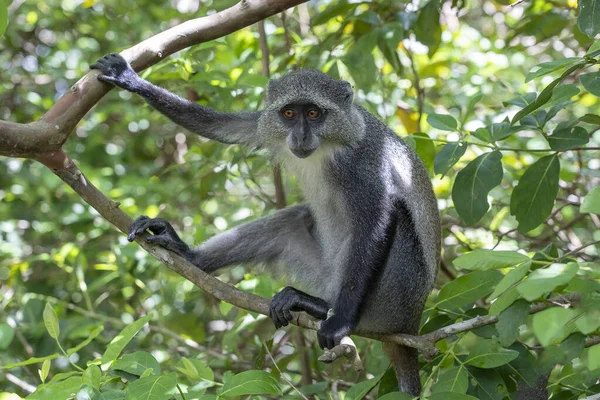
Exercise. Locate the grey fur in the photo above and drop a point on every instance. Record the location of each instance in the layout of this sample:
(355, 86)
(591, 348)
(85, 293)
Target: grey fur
(361, 178)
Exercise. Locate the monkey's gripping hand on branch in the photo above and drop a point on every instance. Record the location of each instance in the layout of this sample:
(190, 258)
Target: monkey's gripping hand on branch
(117, 71)
(333, 330)
(164, 234)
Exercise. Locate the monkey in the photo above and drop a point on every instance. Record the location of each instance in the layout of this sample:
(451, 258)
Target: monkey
(367, 242)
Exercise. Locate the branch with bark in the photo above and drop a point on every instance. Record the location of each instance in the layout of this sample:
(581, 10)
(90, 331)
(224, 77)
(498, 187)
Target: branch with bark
(42, 140)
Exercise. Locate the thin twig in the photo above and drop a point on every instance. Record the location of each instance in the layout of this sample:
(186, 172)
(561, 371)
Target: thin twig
(282, 374)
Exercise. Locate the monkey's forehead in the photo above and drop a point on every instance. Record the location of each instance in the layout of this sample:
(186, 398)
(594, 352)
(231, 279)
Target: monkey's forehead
(308, 86)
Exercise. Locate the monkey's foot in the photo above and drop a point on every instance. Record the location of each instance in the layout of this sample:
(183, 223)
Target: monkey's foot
(164, 234)
(290, 299)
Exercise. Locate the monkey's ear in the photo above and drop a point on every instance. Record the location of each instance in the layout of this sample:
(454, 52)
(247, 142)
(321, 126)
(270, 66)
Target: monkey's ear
(347, 92)
(271, 90)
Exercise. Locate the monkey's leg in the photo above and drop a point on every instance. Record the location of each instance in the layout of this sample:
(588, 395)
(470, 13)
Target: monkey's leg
(290, 299)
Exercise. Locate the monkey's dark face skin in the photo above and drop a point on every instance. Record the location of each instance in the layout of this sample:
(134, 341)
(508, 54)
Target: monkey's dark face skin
(302, 121)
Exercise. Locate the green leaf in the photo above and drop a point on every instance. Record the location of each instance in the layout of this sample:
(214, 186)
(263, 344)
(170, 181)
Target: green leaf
(3, 17)
(466, 289)
(361, 389)
(427, 29)
(589, 321)
(504, 301)
(483, 134)
(471, 105)
(29, 361)
(513, 276)
(569, 138)
(7, 334)
(448, 156)
(532, 200)
(360, 61)
(510, 320)
(396, 396)
(161, 387)
(196, 370)
(483, 260)
(424, 148)
(51, 321)
(593, 48)
(45, 370)
(473, 183)
(591, 82)
(591, 119)
(93, 335)
(589, 17)
(553, 325)
(544, 280)
(250, 382)
(443, 122)
(591, 202)
(121, 340)
(451, 396)
(545, 95)
(454, 379)
(548, 67)
(91, 376)
(136, 363)
(490, 354)
(594, 357)
(60, 390)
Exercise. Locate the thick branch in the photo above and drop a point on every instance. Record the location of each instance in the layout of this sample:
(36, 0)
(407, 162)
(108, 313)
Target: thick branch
(52, 130)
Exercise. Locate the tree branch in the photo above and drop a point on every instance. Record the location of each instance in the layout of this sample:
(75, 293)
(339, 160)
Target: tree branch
(51, 131)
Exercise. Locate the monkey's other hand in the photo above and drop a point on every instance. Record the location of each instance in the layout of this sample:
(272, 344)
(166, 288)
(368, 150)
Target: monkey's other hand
(164, 234)
(333, 330)
(116, 70)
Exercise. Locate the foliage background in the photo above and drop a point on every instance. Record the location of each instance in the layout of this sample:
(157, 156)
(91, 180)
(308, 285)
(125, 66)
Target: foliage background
(411, 64)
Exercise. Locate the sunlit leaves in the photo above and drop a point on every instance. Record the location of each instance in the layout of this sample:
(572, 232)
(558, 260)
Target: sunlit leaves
(360, 62)
(250, 382)
(473, 183)
(544, 280)
(589, 17)
(483, 260)
(532, 200)
(424, 148)
(548, 67)
(591, 202)
(91, 376)
(161, 387)
(594, 357)
(513, 276)
(136, 363)
(553, 325)
(51, 321)
(59, 390)
(121, 340)
(466, 289)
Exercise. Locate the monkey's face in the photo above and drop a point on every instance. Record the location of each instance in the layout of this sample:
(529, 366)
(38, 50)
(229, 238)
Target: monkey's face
(303, 123)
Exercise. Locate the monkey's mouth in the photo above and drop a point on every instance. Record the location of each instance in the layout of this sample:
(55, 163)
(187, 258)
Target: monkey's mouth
(302, 153)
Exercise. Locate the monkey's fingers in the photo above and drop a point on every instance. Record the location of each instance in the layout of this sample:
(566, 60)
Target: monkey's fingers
(139, 225)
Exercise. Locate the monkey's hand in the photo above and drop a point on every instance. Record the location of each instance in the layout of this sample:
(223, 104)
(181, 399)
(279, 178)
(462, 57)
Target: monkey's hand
(164, 234)
(116, 70)
(333, 330)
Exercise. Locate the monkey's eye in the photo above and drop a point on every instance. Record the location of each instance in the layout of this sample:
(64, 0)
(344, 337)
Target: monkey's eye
(313, 113)
(289, 113)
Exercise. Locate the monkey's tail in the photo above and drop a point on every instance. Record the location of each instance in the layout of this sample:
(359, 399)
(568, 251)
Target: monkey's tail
(406, 364)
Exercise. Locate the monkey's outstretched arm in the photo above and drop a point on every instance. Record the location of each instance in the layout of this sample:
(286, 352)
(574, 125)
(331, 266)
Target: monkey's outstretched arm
(223, 127)
(374, 228)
